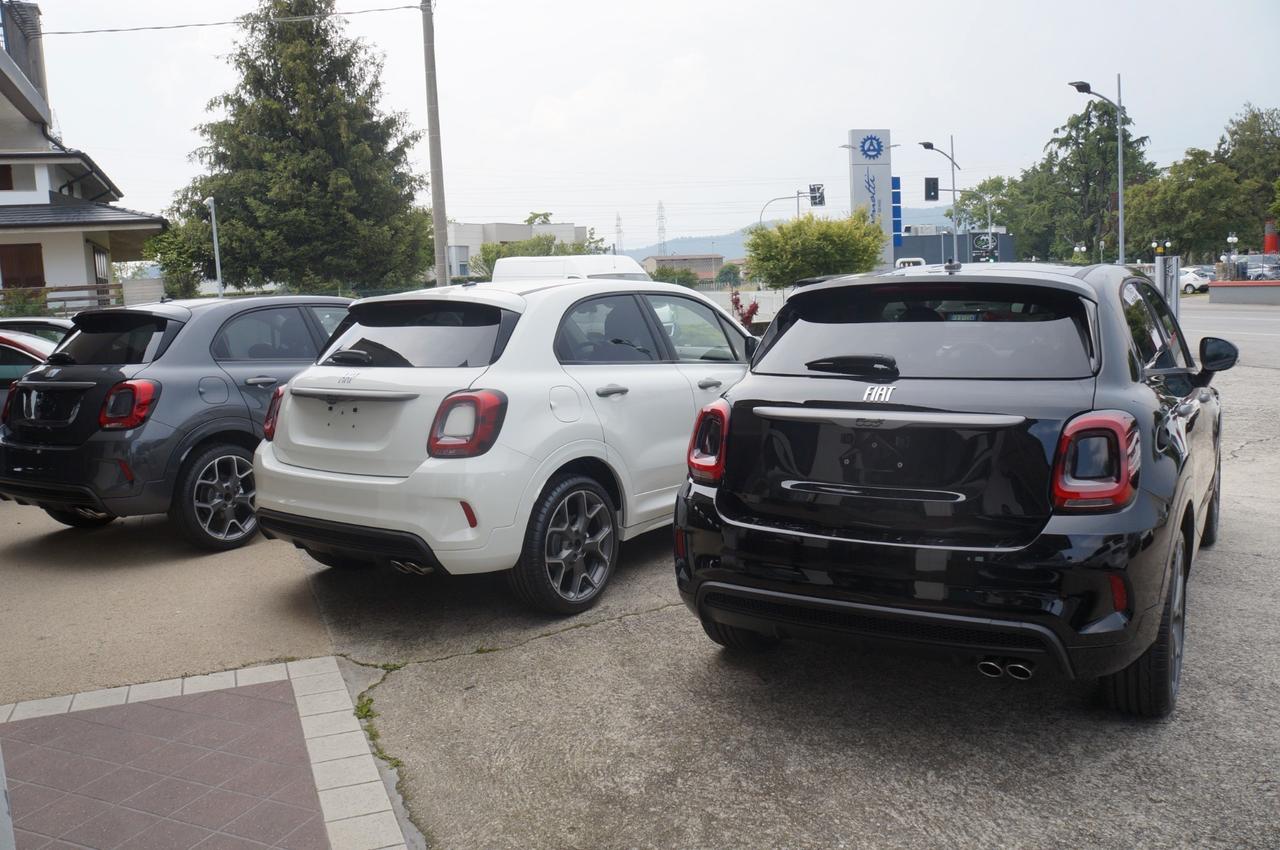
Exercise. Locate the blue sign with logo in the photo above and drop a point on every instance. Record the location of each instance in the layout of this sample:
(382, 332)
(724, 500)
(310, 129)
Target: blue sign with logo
(871, 146)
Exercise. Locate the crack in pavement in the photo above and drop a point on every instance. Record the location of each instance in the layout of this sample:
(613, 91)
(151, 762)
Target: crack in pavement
(484, 650)
(1234, 453)
(365, 699)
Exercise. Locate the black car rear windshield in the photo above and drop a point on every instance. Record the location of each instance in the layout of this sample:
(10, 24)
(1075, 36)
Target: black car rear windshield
(422, 334)
(955, 330)
(114, 339)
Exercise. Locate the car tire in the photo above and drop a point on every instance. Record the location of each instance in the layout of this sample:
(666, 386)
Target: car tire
(574, 519)
(213, 501)
(339, 562)
(81, 517)
(737, 639)
(1149, 686)
(1189, 289)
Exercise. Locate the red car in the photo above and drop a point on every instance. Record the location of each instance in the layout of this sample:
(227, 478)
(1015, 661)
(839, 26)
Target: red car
(19, 353)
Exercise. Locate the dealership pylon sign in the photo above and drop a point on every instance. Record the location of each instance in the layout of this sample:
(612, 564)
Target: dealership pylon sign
(871, 182)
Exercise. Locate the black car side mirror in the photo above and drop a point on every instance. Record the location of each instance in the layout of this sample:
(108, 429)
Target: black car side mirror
(1216, 355)
(751, 343)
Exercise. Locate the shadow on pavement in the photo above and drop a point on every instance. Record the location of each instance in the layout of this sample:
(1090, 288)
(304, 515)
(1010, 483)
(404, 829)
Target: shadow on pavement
(380, 615)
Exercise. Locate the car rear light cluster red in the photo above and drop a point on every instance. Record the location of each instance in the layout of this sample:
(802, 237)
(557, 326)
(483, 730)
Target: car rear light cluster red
(1099, 456)
(128, 404)
(467, 423)
(8, 403)
(273, 414)
(1119, 593)
(707, 446)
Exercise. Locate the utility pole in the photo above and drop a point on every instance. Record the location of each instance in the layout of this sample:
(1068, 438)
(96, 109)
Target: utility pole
(217, 253)
(1120, 168)
(439, 220)
(662, 229)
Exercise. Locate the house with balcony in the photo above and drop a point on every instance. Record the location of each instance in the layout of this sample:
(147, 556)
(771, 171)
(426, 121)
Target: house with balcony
(60, 229)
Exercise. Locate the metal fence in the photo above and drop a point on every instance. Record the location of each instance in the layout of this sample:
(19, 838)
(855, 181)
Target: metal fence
(58, 300)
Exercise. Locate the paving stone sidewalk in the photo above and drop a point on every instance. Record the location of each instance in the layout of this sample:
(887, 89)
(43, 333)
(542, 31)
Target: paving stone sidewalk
(263, 757)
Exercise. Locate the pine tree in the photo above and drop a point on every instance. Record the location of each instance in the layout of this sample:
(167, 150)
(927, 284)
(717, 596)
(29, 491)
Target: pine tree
(311, 178)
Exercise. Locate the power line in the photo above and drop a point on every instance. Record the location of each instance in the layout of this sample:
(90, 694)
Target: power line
(201, 24)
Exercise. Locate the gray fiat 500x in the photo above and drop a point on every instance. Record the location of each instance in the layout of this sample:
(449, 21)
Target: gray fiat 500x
(157, 408)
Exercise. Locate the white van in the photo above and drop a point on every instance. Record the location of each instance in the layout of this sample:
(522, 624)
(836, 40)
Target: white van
(611, 266)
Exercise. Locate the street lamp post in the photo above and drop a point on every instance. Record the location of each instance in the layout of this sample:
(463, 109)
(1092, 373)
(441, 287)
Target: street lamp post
(217, 256)
(1084, 88)
(955, 204)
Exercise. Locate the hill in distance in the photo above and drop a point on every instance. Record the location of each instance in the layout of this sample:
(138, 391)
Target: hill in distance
(733, 245)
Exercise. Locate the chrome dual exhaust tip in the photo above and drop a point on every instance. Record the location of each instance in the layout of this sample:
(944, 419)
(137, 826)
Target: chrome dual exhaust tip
(413, 568)
(1020, 670)
(991, 668)
(1014, 668)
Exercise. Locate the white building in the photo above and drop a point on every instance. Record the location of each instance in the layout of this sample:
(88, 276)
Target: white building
(465, 239)
(58, 227)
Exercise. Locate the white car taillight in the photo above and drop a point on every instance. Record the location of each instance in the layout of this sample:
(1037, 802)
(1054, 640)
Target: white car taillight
(467, 423)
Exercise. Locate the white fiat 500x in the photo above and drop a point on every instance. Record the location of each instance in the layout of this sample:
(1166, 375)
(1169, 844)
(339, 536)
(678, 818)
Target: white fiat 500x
(524, 426)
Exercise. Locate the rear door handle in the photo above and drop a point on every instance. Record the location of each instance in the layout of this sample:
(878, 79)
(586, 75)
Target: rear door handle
(611, 389)
(708, 383)
(260, 381)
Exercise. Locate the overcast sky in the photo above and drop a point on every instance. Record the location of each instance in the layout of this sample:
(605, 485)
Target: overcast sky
(589, 108)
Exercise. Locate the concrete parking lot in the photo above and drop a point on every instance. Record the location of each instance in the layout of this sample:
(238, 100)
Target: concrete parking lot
(626, 727)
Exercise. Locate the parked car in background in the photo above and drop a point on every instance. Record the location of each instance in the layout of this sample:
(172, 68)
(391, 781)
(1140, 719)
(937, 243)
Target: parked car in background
(1190, 280)
(1012, 464)
(19, 354)
(49, 327)
(157, 408)
(1264, 271)
(577, 266)
(527, 426)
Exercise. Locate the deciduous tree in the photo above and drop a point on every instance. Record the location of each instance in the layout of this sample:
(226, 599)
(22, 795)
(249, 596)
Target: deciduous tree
(671, 274)
(810, 246)
(729, 273)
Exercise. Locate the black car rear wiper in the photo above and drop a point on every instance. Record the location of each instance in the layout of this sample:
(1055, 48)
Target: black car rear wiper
(863, 365)
(61, 358)
(350, 355)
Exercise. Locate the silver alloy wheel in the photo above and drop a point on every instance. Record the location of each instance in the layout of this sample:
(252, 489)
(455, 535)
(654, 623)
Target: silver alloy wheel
(578, 549)
(1177, 614)
(223, 497)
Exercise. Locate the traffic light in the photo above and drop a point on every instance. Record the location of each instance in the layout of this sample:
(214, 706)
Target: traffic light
(931, 188)
(817, 195)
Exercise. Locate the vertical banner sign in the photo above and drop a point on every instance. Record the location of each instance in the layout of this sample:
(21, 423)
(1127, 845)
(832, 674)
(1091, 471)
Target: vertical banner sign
(870, 182)
(897, 213)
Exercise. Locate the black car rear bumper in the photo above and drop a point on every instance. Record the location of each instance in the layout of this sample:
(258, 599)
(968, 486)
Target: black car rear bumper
(1051, 602)
(342, 539)
(114, 472)
(793, 615)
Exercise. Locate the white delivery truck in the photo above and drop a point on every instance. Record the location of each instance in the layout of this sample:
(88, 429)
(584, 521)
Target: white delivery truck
(611, 266)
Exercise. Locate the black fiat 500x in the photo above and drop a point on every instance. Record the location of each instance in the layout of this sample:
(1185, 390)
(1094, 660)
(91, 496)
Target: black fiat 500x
(1011, 464)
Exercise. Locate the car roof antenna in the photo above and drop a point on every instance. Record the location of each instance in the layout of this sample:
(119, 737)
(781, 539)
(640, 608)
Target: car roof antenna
(951, 266)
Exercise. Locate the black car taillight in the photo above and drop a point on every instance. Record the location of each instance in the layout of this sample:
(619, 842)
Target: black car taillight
(273, 414)
(1099, 456)
(128, 404)
(467, 423)
(707, 446)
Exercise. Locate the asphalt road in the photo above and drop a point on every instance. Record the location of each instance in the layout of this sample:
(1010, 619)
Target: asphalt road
(626, 727)
(1254, 328)
(133, 602)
